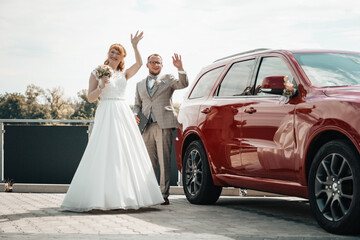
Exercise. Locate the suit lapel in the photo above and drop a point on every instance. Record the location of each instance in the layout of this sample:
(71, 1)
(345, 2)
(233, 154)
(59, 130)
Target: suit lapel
(159, 82)
(145, 88)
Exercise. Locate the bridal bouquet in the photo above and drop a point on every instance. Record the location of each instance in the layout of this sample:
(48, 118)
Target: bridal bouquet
(103, 71)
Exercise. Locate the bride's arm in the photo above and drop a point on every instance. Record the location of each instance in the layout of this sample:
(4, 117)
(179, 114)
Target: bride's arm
(95, 88)
(134, 68)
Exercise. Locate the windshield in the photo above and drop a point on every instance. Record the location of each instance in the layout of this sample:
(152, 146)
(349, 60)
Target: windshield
(330, 69)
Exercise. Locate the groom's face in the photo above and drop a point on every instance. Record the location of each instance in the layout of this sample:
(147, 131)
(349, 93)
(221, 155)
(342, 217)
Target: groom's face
(154, 65)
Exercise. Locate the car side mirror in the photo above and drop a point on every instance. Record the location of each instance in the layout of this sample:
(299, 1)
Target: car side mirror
(273, 85)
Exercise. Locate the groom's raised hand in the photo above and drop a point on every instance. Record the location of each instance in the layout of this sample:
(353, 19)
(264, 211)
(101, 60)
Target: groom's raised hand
(177, 62)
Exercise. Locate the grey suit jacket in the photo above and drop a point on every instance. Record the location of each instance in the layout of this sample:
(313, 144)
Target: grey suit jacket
(161, 100)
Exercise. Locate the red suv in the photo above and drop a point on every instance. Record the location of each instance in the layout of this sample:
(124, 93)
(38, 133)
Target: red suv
(279, 121)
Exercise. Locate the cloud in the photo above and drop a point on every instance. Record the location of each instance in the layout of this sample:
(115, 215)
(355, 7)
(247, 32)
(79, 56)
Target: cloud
(59, 42)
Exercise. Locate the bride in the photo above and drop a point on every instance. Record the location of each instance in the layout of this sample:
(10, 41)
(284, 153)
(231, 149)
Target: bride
(115, 171)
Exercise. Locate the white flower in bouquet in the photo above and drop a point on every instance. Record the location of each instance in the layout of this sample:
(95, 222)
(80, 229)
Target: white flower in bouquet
(103, 71)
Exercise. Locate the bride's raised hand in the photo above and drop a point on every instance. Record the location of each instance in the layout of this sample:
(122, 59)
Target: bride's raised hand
(135, 40)
(135, 67)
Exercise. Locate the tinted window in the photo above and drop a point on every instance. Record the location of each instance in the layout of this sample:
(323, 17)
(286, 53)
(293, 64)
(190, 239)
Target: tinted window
(271, 66)
(204, 84)
(236, 81)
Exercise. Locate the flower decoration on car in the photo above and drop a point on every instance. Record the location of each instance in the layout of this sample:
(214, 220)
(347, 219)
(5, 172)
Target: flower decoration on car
(289, 87)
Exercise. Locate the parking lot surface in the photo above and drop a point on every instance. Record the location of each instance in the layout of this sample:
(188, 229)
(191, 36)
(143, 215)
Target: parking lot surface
(37, 216)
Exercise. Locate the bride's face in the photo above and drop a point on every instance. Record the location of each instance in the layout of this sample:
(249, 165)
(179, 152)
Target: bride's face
(114, 57)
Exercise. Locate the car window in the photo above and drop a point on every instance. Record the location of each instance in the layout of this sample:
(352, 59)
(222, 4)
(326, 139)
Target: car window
(205, 83)
(271, 66)
(236, 81)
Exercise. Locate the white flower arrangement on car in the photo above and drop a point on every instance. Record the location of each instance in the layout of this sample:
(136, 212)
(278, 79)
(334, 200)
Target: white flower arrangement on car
(289, 87)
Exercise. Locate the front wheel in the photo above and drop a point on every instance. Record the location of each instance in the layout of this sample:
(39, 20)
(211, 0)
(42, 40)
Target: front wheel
(196, 175)
(334, 188)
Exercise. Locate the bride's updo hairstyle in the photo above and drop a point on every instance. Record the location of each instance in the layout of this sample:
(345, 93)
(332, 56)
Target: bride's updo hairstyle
(121, 49)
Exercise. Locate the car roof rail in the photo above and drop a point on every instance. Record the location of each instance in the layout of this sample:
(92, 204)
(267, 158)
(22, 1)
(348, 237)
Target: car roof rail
(243, 53)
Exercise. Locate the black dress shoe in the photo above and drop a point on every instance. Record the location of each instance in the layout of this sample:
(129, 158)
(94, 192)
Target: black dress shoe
(166, 201)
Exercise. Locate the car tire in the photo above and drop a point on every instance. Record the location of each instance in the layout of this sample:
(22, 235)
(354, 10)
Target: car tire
(197, 181)
(334, 187)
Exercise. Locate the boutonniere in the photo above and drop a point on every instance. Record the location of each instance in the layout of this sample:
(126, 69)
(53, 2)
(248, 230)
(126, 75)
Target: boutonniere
(160, 82)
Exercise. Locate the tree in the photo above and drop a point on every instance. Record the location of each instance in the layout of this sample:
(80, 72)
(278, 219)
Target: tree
(35, 110)
(60, 108)
(12, 106)
(50, 104)
(84, 109)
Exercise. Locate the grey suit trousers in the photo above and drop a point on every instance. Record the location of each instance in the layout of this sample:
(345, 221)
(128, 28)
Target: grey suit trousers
(158, 143)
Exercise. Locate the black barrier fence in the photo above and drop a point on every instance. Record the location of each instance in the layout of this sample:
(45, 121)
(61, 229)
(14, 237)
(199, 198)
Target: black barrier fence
(43, 154)
(47, 154)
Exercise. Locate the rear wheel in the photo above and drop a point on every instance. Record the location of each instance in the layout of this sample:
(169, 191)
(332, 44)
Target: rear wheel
(334, 188)
(196, 175)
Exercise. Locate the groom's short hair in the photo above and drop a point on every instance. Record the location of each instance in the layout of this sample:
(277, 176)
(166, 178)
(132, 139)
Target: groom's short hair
(154, 55)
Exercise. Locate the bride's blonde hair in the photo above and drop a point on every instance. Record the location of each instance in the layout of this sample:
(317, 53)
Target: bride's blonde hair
(121, 49)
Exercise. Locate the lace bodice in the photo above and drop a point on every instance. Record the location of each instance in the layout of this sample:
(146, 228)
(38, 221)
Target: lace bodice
(117, 86)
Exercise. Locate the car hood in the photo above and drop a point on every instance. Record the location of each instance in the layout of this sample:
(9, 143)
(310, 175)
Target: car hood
(352, 92)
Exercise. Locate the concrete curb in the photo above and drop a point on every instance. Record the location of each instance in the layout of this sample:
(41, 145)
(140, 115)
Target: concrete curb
(174, 190)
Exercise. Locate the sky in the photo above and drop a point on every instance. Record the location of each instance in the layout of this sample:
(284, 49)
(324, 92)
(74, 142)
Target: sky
(57, 43)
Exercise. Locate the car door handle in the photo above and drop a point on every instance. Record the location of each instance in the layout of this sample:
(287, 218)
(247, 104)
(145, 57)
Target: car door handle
(250, 110)
(206, 110)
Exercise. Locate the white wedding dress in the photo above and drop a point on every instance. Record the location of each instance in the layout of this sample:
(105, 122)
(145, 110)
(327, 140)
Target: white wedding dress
(115, 171)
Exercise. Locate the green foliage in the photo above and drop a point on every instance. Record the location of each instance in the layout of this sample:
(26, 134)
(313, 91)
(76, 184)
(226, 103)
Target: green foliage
(35, 110)
(38, 103)
(12, 106)
(84, 109)
(59, 107)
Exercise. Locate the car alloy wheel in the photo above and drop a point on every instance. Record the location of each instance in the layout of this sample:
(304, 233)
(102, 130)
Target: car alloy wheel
(334, 187)
(197, 180)
(334, 182)
(193, 172)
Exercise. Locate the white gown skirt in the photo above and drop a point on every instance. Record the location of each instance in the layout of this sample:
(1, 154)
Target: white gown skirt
(115, 171)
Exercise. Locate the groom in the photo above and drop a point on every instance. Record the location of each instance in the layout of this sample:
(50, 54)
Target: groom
(154, 99)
